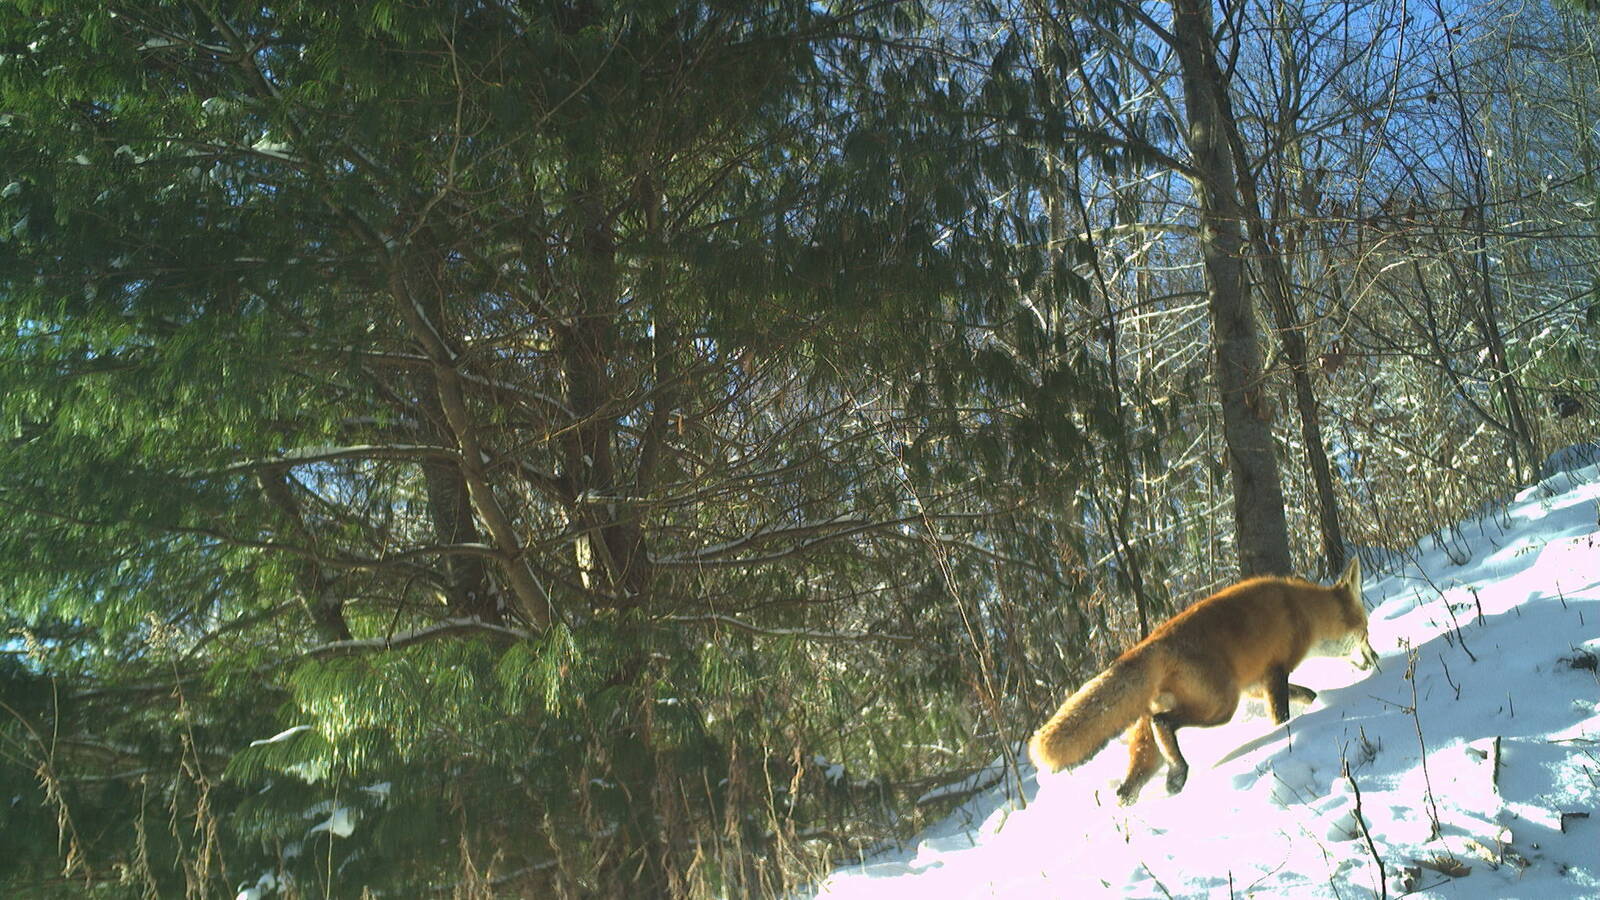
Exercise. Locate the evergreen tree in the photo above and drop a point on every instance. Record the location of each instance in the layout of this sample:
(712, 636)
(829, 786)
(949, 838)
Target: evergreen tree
(510, 433)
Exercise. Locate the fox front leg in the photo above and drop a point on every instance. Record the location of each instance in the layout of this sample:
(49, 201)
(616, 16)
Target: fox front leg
(1165, 727)
(1279, 690)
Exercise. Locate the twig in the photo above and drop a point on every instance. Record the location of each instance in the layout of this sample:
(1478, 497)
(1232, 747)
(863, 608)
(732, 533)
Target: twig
(1383, 875)
(1411, 673)
(1447, 678)
(1461, 638)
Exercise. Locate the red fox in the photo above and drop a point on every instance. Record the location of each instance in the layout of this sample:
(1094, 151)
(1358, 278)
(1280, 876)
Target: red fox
(1192, 669)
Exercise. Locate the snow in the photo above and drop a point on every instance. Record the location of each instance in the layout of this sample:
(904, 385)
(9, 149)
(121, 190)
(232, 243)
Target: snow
(832, 771)
(281, 736)
(263, 887)
(340, 821)
(1469, 761)
(266, 146)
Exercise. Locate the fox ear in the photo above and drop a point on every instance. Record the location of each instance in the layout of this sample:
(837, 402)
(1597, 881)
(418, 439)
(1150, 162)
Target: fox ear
(1352, 577)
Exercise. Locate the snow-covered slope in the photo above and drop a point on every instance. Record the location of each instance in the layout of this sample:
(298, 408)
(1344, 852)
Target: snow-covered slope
(1475, 753)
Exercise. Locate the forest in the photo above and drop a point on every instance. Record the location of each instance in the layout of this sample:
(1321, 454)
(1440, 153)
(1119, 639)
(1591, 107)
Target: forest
(652, 448)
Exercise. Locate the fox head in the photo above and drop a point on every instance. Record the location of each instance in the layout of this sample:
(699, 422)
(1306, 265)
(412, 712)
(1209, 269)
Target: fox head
(1352, 618)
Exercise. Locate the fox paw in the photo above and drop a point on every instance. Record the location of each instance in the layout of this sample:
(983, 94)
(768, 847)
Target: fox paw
(1176, 779)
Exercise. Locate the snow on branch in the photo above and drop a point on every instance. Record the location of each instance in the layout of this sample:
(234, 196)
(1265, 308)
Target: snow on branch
(281, 736)
(466, 548)
(308, 455)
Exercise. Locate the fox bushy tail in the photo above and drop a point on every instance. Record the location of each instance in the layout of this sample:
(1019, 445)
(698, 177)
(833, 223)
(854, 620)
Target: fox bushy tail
(1098, 712)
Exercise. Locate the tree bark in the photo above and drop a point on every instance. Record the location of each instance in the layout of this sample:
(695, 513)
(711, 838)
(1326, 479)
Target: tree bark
(1275, 282)
(1262, 531)
(612, 557)
(450, 507)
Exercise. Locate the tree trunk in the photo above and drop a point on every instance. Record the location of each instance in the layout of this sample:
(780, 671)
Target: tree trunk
(1275, 282)
(1305, 399)
(1262, 530)
(1520, 442)
(317, 597)
(611, 552)
(425, 328)
(450, 508)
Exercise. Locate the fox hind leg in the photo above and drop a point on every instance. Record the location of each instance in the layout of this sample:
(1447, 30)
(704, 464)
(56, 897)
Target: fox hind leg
(1210, 700)
(1143, 760)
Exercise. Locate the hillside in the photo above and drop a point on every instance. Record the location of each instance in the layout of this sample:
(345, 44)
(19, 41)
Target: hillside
(1473, 770)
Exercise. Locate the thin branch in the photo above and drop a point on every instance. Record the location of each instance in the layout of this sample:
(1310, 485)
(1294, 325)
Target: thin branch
(414, 636)
(804, 633)
(312, 455)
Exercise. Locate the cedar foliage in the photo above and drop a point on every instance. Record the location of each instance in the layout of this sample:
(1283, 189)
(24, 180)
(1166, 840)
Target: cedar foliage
(536, 415)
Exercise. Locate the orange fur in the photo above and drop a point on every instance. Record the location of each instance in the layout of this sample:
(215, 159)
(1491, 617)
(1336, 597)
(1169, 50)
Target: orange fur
(1192, 669)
